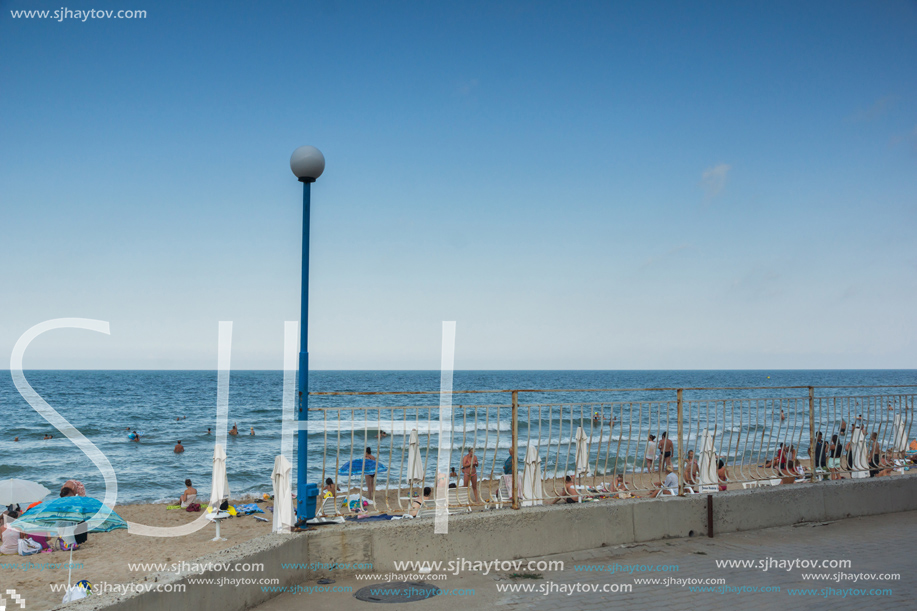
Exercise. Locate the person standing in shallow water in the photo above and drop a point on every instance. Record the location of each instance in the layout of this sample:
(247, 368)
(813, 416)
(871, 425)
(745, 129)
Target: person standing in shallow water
(370, 479)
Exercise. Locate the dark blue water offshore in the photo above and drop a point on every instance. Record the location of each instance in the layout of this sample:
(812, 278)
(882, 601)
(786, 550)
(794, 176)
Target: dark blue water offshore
(103, 404)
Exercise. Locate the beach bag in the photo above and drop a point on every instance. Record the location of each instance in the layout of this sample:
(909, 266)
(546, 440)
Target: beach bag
(27, 547)
(75, 593)
(193, 507)
(66, 547)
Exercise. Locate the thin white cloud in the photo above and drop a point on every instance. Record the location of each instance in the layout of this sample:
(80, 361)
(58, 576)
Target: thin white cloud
(670, 253)
(713, 180)
(878, 108)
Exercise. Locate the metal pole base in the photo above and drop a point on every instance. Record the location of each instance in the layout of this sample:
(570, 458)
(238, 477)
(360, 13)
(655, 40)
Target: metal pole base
(218, 537)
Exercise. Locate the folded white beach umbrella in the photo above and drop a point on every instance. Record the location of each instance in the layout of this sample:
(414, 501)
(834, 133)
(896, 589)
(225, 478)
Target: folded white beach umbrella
(531, 478)
(900, 442)
(707, 476)
(283, 494)
(219, 488)
(22, 492)
(860, 462)
(582, 452)
(415, 461)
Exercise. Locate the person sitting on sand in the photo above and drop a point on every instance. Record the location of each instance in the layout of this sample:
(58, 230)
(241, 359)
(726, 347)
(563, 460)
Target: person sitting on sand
(179, 448)
(722, 474)
(234, 430)
(692, 470)
(568, 494)
(788, 477)
(9, 536)
(76, 488)
(188, 496)
(329, 489)
(417, 503)
(670, 483)
(772, 464)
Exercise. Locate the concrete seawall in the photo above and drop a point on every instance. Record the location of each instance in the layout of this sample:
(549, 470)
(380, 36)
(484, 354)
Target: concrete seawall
(507, 535)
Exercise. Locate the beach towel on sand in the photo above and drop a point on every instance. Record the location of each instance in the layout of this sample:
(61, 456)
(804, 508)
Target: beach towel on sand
(244, 510)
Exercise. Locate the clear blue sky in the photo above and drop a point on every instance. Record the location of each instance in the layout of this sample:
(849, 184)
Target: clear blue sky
(579, 185)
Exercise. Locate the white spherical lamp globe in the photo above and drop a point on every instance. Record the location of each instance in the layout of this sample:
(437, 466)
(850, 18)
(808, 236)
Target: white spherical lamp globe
(307, 163)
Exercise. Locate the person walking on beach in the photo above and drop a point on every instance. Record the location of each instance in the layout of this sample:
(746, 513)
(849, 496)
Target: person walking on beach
(370, 479)
(819, 453)
(179, 448)
(649, 454)
(470, 472)
(835, 451)
(666, 451)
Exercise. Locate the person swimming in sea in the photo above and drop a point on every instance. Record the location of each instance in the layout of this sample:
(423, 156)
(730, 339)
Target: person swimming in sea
(208, 431)
(179, 448)
(234, 430)
(252, 433)
(134, 436)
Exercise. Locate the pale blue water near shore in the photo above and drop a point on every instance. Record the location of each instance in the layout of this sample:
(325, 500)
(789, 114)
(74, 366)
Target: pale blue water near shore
(101, 404)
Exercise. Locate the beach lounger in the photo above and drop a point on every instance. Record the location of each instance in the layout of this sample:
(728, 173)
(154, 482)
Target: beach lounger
(747, 485)
(330, 507)
(504, 490)
(459, 498)
(428, 510)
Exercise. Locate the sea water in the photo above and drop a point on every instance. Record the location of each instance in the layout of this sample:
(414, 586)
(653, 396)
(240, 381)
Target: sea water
(168, 406)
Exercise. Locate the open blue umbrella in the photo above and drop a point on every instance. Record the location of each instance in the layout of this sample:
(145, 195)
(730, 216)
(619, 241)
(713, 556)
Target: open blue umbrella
(62, 515)
(362, 466)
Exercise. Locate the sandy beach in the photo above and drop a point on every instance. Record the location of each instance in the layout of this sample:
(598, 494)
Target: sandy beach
(105, 556)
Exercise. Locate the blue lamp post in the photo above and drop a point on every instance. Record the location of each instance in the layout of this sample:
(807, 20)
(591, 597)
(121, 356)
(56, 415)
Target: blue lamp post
(307, 163)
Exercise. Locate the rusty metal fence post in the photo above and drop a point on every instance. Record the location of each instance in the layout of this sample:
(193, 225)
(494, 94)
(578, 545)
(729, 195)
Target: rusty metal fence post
(515, 448)
(679, 454)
